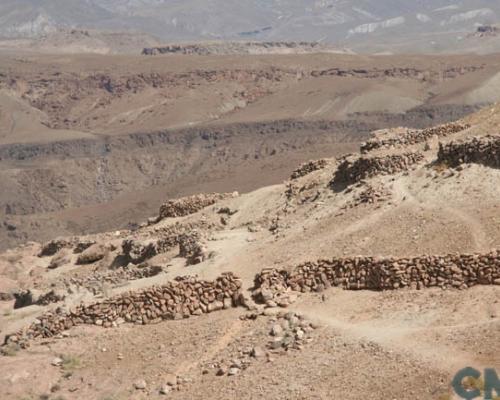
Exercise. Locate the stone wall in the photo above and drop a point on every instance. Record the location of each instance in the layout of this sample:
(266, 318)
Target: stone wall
(308, 167)
(480, 150)
(413, 137)
(189, 205)
(354, 169)
(182, 298)
(376, 273)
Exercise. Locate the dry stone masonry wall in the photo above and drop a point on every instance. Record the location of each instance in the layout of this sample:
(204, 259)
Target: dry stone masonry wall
(376, 273)
(354, 169)
(308, 167)
(182, 298)
(413, 137)
(479, 150)
(189, 205)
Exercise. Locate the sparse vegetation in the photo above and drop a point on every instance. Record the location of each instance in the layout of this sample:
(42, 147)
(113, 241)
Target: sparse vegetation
(70, 363)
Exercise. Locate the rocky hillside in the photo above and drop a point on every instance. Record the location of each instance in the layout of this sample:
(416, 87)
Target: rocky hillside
(97, 136)
(363, 262)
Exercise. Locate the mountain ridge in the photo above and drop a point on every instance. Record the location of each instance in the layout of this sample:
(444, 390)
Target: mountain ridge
(361, 25)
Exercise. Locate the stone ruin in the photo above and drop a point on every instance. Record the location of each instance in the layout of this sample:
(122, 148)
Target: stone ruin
(353, 169)
(193, 247)
(479, 150)
(412, 137)
(370, 195)
(54, 246)
(379, 273)
(308, 167)
(25, 298)
(187, 296)
(182, 298)
(137, 251)
(189, 205)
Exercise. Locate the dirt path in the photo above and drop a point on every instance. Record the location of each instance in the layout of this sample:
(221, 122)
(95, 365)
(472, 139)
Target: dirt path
(478, 235)
(401, 339)
(212, 351)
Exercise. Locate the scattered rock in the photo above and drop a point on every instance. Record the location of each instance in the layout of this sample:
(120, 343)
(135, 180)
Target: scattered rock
(165, 389)
(57, 362)
(140, 384)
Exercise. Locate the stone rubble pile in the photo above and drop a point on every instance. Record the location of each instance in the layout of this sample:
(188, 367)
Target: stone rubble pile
(190, 204)
(271, 288)
(371, 195)
(479, 150)
(377, 273)
(353, 169)
(28, 297)
(289, 331)
(54, 246)
(182, 298)
(308, 167)
(137, 251)
(413, 137)
(193, 247)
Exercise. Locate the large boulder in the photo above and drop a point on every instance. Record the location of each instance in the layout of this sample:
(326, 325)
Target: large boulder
(94, 253)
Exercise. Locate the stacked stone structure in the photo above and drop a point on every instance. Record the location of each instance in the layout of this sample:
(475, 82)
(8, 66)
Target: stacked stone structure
(377, 273)
(182, 298)
(354, 169)
(479, 150)
(308, 167)
(189, 205)
(412, 137)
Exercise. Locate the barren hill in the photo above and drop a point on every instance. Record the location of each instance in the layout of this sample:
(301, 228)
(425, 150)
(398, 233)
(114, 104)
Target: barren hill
(375, 274)
(93, 143)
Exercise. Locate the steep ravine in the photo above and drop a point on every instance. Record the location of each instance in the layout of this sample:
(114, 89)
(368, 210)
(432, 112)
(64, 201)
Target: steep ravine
(88, 185)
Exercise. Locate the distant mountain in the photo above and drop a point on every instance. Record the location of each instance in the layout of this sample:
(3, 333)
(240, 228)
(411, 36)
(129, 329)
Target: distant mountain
(360, 24)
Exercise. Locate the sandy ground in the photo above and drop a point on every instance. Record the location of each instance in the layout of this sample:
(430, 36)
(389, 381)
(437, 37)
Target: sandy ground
(402, 344)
